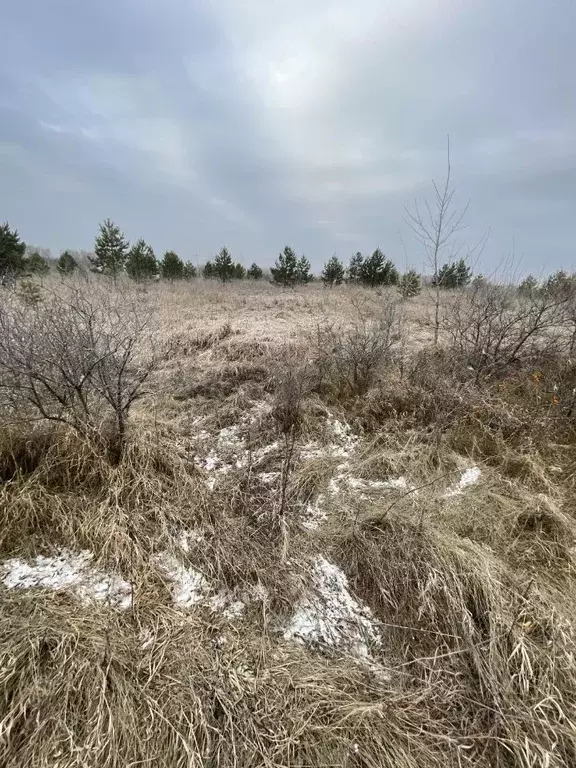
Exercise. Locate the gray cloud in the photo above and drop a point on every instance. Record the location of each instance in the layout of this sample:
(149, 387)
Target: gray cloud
(256, 124)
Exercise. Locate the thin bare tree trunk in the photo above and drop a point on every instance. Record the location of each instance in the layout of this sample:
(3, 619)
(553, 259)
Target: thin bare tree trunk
(435, 228)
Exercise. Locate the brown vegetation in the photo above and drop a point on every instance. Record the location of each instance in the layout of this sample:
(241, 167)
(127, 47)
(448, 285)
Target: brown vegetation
(262, 429)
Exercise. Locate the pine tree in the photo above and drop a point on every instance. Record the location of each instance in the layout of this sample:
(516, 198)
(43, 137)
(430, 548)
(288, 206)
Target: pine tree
(446, 276)
(463, 274)
(528, 286)
(561, 284)
(372, 269)
(378, 270)
(66, 263)
(409, 284)
(110, 250)
(285, 270)
(189, 272)
(355, 268)
(12, 249)
(29, 293)
(141, 263)
(36, 265)
(254, 272)
(391, 276)
(224, 268)
(333, 272)
(454, 275)
(239, 272)
(171, 266)
(208, 270)
(303, 273)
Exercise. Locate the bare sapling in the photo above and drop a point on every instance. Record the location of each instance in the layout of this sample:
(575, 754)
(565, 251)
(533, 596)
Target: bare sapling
(435, 226)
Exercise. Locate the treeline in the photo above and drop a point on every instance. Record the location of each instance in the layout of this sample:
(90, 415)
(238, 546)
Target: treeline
(113, 256)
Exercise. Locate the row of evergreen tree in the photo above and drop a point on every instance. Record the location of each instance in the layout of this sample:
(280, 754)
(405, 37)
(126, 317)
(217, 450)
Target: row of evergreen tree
(113, 256)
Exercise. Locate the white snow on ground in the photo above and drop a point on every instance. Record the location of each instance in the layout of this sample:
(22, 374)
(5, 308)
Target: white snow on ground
(69, 571)
(360, 484)
(185, 537)
(342, 480)
(344, 446)
(225, 604)
(231, 452)
(330, 616)
(269, 477)
(188, 585)
(468, 477)
(315, 514)
(233, 605)
(313, 450)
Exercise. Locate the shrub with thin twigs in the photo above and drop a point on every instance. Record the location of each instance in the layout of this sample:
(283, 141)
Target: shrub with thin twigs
(493, 329)
(349, 358)
(77, 357)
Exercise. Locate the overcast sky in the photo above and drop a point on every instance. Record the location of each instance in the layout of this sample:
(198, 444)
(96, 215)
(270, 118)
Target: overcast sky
(257, 123)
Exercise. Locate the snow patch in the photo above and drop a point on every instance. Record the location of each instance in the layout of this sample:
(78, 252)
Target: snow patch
(233, 605)
(225, 604)
(186, 537)
(315, 514)
(468, 477)
(268, 478)
(69, 571)
(344, 446)
(342, 481)
(313, 450)
(359, 483)
(190, 588)
(188, 585)
(231, 453)
(329, 616)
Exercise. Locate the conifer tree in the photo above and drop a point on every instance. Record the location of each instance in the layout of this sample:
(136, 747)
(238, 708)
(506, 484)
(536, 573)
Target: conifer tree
(333, 272)
(110, 250)
(171, 266)
(224, 268)
(141, 263)
(285, 270)
(66, 263)
(12, 250)
(254, 272)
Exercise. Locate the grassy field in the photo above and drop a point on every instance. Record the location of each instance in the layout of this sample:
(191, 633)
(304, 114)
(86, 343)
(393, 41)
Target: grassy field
(318, 540)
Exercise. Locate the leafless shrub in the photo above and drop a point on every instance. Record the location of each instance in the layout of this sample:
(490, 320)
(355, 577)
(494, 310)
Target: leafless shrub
(75, 358)
(348, 359)
(570, 320)
(493, 329)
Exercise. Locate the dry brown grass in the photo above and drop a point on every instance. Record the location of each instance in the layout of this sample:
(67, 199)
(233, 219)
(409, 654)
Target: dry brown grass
(473, 592)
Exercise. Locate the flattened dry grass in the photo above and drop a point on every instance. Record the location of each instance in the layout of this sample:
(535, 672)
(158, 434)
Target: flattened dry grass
(79, 690)
(489, 650)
